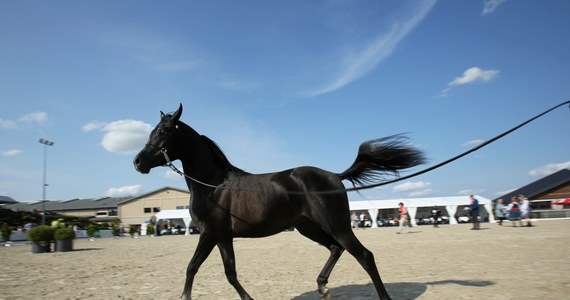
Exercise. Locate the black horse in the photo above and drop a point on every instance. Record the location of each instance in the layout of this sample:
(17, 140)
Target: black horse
(227, 202)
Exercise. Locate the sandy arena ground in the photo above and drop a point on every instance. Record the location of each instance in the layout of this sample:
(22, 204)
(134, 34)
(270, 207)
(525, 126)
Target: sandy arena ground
(450, 262)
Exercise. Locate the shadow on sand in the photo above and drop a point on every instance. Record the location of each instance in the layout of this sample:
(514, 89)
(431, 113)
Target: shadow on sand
(400, 290)
(86, 249)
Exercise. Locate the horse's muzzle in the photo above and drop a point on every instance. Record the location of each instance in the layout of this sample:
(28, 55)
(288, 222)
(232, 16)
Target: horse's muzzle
(137, 162)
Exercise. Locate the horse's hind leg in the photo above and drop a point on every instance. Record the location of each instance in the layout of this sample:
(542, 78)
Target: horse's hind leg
(366, 259)
(313, 232)
(228, 257)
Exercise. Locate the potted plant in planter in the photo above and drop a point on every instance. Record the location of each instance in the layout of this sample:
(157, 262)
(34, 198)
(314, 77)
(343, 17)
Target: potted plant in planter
(64, 239)
(41, 237)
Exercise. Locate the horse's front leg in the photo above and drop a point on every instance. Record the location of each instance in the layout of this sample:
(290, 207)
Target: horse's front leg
(228, 257)
(323, 279)
(203, 249)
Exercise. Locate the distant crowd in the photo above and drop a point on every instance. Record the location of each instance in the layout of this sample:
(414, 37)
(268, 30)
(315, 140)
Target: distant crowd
(518, 211)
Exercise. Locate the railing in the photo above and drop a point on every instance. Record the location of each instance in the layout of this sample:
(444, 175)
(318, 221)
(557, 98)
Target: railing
(551, 213)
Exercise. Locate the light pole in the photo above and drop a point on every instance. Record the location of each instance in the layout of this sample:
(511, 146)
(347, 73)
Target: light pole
(45, 143)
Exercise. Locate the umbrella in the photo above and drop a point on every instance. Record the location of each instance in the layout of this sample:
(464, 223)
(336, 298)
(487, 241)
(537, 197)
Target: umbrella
(562, 202)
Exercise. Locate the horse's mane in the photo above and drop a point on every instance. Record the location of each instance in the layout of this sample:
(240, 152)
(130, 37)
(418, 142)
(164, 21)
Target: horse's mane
(219, 154)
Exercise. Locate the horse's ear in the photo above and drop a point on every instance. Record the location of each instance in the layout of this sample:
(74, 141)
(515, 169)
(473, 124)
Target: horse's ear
(162, 115)
(177, 113)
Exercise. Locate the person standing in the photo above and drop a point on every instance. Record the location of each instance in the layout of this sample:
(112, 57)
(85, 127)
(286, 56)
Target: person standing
(500, 211)
(403, 217)
(435, 214)
(362, 220)
(525, 210)
(474, 208)
(514, 212)
(354, 218)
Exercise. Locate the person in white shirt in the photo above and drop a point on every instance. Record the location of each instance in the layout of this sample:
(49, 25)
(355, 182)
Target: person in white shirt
(525, 210)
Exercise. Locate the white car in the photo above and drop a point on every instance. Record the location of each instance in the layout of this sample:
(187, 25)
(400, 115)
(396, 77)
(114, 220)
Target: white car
(463, 219)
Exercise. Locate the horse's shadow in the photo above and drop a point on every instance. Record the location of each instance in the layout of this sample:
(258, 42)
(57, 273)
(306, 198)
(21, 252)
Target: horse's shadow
(399, 290)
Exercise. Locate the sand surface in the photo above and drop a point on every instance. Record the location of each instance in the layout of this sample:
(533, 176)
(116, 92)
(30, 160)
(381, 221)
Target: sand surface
(450, 262)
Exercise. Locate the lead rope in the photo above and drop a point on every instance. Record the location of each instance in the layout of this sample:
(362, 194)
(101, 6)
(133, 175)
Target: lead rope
(173, 167)
(364, 187)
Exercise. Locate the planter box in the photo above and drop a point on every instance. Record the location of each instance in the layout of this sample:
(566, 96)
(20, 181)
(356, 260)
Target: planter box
(41, 247)
(63, 245)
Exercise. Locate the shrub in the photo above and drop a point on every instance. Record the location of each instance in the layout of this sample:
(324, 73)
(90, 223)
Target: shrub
(116, 230)
(64, 233)
(42, 233)
(133, 230)
(150, 229)
(6, 232)
(91, 229)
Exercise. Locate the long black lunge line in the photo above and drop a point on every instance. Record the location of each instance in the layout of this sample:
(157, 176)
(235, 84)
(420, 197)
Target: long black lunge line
(458, 156)
(364, 187)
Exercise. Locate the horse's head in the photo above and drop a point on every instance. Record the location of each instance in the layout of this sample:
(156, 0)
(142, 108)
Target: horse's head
(160, 141)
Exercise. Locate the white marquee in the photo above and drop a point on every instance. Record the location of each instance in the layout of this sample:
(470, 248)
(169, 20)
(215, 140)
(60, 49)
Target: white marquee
(450, 204)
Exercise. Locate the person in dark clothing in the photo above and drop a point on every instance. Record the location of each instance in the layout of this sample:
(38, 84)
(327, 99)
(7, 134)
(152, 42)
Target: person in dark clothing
(474, 208)
(435, 215)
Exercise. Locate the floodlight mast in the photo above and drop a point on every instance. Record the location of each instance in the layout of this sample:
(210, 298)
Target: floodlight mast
(44, 185)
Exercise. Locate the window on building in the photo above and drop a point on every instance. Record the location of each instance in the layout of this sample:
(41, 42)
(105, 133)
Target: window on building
(156, 209)
(147, 210)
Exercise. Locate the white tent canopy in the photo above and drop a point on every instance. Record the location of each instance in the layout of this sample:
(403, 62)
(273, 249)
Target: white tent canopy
(450, 204)
(183, 214)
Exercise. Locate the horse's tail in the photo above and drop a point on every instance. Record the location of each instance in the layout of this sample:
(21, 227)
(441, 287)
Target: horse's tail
(380, 157)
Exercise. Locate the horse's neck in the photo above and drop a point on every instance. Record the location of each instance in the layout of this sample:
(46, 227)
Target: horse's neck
(204, 168)
(199, 161)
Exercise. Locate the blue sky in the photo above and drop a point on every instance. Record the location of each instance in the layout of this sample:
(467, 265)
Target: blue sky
(280, 84)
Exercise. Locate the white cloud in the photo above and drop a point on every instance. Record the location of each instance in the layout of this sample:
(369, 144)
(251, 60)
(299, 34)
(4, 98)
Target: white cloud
(122, 136)
(93, 125)
(362, 59)
(11, 152)
(170, 174)
(503, 192)
(473, 143)
(489, 6)
(128, 190)
(125, 136)
(39, 117)
(549, 169)
(465, 192)
(421, 193)
(471, 75)
(7, 124)
(409, 185)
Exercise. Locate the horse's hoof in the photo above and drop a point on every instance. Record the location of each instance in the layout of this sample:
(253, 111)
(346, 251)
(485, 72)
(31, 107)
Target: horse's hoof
(186, 297)
(326, 294)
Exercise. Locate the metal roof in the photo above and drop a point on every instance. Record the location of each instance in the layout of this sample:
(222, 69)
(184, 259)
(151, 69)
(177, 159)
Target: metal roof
(540, 186)
(6, 199)
(102, 203)
(69, 205)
